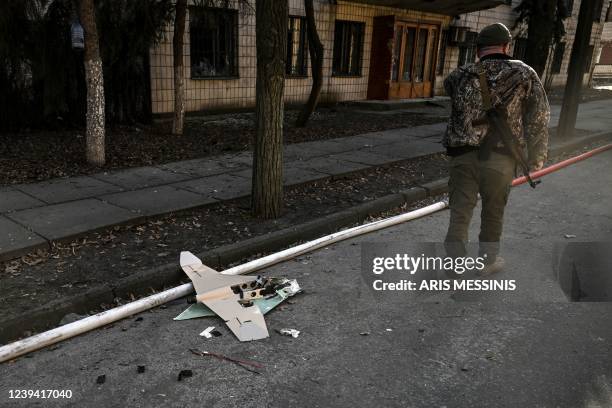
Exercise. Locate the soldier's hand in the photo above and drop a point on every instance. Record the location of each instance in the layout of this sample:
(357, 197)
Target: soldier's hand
(536, 166)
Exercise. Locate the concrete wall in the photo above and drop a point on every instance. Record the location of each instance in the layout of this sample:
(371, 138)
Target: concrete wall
(606, 34)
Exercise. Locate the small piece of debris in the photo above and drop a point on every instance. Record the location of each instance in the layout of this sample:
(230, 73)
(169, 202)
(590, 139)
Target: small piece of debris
(141, 369)
(241, 363)
(365, 333)
(389, 330)
(185, 374)
(568, 236)
(101, 379)
(289, 332)
(138, 319)
(207, 333)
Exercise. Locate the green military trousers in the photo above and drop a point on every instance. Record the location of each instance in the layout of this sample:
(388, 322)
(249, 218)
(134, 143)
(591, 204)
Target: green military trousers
(469, 176)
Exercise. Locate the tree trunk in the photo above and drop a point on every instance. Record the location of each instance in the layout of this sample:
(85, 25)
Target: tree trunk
(179, 74)
(540, 34)
(95, 131)
(575, 72)
(315, 48)
(271, 40)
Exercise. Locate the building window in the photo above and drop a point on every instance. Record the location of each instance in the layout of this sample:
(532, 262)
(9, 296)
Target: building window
(442, 53)
(348, 48)
(467, 49)
(520, 49)
(213, 42)
(296, 47)
(558, 58)
(587, 66)
(598, 10)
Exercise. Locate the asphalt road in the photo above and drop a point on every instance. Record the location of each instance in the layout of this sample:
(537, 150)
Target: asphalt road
(528, 348)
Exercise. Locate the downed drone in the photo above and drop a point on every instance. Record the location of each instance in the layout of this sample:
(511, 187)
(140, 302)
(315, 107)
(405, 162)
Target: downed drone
(241, 301)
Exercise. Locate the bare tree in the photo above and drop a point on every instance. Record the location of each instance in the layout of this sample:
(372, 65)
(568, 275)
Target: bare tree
(271, 31)
(179, 76)
(576, 69)
(95, 127)
(543, 20)
(539, 37)
(316, 49)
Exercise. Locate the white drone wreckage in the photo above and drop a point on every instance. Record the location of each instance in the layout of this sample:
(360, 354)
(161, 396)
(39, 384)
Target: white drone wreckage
(241, 301)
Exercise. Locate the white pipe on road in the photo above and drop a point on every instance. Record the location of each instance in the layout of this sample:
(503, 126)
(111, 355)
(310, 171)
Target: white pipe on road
(21, 347)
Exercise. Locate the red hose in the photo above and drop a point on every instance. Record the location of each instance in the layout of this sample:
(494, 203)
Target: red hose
(557, 166)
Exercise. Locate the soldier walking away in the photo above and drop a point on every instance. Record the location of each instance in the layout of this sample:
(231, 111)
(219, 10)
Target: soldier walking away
(479, 160)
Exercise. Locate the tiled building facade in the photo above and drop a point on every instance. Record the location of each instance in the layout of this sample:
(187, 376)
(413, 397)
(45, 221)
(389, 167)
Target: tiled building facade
(220, 54)
(603, 70)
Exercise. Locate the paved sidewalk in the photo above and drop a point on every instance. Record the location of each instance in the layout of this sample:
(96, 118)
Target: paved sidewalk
(33, 215)
(595, 115)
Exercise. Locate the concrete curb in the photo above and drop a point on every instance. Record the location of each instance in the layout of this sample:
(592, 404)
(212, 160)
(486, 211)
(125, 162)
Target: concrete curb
(167, 275)
(576, 144)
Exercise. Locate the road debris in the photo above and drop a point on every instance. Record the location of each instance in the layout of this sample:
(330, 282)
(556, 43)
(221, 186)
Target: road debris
(568, 236)
(241, 301)
(141, 369)
(289, 332)
(101, 379)
(365, 333)
(208, 332)
(239, 362)
(185, 374)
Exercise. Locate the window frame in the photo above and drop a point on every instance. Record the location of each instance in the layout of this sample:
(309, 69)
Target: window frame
(303, 46)
(467, 49)
(589, 61)
(358, 72)
(557, 62)
(598, 11)
(235, 71)
(441, 61)
(520, 44)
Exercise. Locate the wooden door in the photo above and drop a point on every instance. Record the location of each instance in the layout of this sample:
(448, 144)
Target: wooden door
(414, 56)
(380, 57)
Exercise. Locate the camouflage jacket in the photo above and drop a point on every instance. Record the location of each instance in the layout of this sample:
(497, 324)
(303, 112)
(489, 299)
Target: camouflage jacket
(515, 87)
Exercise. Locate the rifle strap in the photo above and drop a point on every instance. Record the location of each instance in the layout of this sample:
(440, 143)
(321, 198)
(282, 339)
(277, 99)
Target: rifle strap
(484, 89)
(486, 145)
